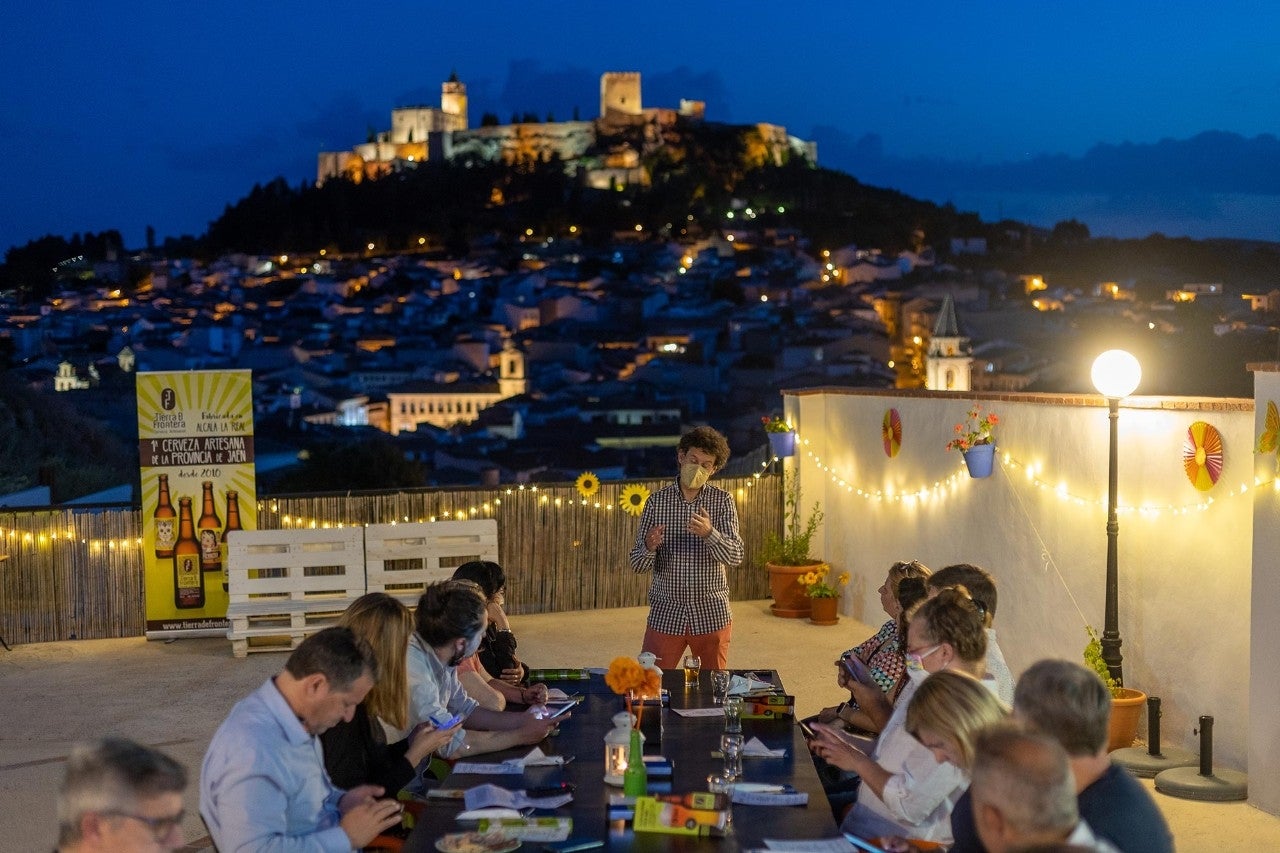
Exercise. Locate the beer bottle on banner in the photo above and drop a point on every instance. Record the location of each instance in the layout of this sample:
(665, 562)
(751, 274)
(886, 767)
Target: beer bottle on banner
(165, 521)
(233, 523)
(188, 580)
(209, 529)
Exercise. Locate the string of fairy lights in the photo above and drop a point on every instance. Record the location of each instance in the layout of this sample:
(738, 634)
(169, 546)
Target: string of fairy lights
(1031, 473)
(930, 491)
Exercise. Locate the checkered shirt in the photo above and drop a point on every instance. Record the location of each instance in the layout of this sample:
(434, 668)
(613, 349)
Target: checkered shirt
(690, 592)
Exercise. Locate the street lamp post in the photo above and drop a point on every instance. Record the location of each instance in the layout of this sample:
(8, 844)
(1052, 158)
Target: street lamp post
(1115, 374)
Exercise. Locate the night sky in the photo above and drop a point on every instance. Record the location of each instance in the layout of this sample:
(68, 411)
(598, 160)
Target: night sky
(160, 113)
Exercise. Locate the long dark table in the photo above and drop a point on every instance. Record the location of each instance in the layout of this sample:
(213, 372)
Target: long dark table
(687, 741)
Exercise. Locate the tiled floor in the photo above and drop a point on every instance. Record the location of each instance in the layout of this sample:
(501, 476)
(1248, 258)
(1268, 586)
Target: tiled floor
(175, 694)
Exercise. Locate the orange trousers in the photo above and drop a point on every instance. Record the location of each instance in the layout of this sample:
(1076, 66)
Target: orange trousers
(713, 648)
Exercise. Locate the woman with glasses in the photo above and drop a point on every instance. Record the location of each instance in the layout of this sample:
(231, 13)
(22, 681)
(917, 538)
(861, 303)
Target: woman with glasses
(905, 790)
(882, 653)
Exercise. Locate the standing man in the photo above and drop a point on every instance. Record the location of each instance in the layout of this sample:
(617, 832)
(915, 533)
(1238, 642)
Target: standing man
(688, 536)
(120, 797)
(263, 786)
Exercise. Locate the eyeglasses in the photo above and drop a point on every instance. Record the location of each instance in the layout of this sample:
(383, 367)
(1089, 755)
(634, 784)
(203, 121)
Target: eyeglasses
(160, 827)
(920, 656)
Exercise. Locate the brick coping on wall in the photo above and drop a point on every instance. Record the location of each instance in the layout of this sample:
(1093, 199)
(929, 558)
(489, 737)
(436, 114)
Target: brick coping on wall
(1184, 404)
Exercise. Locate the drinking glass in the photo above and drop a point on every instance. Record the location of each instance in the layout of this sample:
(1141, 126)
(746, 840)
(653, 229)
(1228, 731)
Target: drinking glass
(719, 684)
(731, 748)
(692, 666)
(733, 714)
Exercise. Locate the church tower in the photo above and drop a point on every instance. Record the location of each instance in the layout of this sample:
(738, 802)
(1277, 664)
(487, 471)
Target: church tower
(948, 363)
(453, 102)
(511, 378)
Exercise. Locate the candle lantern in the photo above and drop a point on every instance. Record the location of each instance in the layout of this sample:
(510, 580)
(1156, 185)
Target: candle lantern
(617, 748)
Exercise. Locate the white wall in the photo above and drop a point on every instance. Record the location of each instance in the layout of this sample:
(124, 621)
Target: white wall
(1184, 571)
(1264, 663)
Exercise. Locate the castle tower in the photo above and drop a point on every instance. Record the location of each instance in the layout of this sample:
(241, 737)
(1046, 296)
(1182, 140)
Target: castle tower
(620, 93)
(948, 363)
(511, 378)
(453, 101)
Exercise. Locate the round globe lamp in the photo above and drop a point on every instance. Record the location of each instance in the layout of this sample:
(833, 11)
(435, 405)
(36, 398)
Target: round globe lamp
(1116, 374)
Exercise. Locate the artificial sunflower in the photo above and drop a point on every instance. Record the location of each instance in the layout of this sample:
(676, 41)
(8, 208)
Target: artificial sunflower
(587, 484)
(629, 679)
(634, 497)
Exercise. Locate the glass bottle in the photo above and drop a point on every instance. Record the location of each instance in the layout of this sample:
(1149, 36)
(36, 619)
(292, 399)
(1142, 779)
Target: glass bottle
(233, 523)
(188, 579)
(165, 521)
(208, 528)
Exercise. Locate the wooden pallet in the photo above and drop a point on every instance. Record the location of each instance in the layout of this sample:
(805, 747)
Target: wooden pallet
(401, 559)
(286, 584)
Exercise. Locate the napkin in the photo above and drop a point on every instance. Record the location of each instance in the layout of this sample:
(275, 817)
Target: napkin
(491, 812)
(487, 796)
(755, 748)
(741, 685)
(536, 758)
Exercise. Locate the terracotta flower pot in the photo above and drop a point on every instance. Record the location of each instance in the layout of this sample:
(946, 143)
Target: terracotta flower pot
(789, 598)
(1125, 710)
(824, 611)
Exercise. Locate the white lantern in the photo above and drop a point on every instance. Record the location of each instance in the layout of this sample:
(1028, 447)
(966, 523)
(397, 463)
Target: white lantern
(617, 747)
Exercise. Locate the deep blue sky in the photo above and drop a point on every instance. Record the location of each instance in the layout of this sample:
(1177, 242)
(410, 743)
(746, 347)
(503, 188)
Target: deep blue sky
(123, 114)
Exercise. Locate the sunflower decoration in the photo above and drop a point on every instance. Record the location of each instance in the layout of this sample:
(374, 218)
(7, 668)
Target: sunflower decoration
(629, 679)
(1202, 455)
(891, 432)
(587, 484)
(634, 497)
(1270, 437)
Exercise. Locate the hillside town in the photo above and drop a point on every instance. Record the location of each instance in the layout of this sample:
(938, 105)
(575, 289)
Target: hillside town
(520, 368)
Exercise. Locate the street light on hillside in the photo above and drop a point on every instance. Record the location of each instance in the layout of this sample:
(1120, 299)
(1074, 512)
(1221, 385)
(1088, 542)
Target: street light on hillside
(1115, 374)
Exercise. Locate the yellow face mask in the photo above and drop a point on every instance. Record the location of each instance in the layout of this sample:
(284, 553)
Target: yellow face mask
(693, 475)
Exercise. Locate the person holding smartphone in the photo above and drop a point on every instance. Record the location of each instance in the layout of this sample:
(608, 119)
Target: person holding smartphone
(881, 656)
(356, 751)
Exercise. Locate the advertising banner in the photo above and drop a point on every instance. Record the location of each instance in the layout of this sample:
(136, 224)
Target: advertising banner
(195, 446)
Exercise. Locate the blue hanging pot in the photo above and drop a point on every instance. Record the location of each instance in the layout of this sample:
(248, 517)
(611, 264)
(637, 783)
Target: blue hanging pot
(980, 459)
(782, 444)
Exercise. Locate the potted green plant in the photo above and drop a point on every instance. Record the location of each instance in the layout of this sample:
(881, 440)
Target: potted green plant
(824, 594)
(976, 441)
(781, 435)
(786, 556)
(1126, 703)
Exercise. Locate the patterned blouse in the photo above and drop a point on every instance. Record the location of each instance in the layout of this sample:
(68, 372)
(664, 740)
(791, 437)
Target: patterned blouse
(690, 591)
(883, 655)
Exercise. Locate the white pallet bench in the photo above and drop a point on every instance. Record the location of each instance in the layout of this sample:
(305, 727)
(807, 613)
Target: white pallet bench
(286, 584)
(401, 559)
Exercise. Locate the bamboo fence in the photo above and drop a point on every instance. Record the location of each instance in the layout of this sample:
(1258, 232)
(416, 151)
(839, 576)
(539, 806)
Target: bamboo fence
(78, 574)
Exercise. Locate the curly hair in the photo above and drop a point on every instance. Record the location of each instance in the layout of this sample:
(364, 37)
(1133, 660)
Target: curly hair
(707, 440)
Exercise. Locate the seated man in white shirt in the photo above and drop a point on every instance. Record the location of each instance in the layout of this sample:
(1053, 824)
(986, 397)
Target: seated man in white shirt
(263, 785)
(449, 623)
(1024, 794)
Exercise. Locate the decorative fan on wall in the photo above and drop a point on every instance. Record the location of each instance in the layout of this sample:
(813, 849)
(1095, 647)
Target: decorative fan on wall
(891, 432)
(1202, 455)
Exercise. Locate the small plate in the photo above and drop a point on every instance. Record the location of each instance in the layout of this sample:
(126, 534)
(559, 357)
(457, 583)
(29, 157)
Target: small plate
(477, 842)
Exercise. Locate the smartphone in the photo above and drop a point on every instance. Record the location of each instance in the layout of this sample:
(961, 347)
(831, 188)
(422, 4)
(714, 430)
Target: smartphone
(807, 730)
(555, 709)
(856, 668)
(862, 845)
(444, 721)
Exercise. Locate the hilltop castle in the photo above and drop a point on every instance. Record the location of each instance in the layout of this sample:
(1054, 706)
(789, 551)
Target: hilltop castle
(423, 133)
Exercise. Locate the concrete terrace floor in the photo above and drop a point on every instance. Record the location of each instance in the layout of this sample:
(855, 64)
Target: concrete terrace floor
(174, 694)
